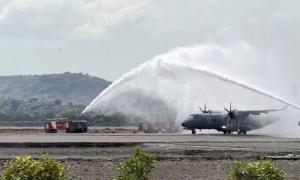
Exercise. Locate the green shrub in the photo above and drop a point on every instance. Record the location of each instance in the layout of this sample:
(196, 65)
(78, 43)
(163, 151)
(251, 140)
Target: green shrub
(262, 170)
(50, 169)
(26, 168)
(22, 167)
(138, 167)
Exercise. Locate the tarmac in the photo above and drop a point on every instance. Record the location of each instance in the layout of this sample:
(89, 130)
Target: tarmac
(178, 156)
(207, 146)
(142, 138)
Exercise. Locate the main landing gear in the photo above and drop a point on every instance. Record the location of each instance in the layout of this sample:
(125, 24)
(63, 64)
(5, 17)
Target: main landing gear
(242, 132)
(193, 131)
(227, 132)
(239, 132)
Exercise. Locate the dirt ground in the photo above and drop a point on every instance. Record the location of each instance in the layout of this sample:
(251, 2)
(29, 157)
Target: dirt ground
(166, 169)
(175, 170)
(186, 169)
(169, 169)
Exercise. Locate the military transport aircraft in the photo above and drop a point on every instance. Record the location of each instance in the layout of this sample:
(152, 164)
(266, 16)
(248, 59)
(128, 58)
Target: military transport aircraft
(232, 120)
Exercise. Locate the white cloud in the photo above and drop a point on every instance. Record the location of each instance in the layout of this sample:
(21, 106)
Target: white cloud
(101, 15)
(52, 17)
(109, 37)
(18, 6)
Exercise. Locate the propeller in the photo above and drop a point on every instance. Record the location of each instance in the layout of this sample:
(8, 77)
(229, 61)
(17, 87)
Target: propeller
(231, 115)
(204, 110)
(231, 112)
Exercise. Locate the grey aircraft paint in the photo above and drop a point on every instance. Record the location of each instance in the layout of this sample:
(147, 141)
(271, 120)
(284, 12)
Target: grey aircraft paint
(227, 122)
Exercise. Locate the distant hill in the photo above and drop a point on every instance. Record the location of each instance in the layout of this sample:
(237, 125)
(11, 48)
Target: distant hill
(75, 88)
(34, 107)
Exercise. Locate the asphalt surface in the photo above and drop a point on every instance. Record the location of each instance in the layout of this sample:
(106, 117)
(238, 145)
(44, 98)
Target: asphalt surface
(160, 144)
(142, 138)
(201, 156)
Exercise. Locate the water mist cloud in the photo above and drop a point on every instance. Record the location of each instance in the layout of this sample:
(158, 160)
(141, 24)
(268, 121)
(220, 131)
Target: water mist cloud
(183, 79)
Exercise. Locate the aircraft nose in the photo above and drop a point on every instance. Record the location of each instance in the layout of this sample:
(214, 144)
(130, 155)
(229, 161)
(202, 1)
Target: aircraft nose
(183, 124)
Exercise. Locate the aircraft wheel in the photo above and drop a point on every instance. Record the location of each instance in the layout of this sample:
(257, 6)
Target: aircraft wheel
(193, 131)
(244, 132)
(225, 132)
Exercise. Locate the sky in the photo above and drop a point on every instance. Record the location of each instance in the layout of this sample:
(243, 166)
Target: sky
(107, 38)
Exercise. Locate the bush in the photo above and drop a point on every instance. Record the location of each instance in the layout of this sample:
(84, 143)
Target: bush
(138, 167)
(26, 168)
(262, 170)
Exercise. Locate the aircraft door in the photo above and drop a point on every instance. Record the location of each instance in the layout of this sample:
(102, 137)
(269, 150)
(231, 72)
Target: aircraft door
(208, 120)
(211, 122)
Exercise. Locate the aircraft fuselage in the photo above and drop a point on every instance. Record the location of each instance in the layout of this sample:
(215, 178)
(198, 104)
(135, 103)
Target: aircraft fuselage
(220, 122)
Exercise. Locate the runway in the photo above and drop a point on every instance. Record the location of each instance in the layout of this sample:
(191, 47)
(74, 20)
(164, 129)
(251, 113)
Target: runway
(98, 156)
(169, 145)
(139, 138)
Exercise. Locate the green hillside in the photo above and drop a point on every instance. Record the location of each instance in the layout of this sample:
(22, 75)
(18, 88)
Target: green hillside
(75, 88)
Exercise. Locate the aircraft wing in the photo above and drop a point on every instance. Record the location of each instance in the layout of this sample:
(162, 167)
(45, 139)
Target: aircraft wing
(258, 112)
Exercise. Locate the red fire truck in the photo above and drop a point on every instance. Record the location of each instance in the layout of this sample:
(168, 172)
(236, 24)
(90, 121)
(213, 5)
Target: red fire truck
(65, 125)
